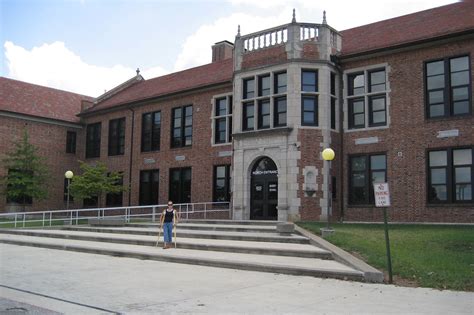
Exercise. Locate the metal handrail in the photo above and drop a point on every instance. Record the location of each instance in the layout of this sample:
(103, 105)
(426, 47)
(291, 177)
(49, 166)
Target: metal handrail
(74, 215)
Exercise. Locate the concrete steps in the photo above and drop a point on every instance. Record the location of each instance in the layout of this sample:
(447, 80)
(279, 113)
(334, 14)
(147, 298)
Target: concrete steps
(246, 245)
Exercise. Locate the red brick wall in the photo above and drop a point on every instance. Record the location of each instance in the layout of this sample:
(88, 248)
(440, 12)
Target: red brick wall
(264, 57)
(201, 156)
(412, 134)
(311, 51)
(51, 143)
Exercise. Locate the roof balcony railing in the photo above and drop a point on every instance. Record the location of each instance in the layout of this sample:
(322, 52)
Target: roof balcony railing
(266, 38)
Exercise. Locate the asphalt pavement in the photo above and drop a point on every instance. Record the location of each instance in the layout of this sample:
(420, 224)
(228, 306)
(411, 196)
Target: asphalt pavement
(47, 281)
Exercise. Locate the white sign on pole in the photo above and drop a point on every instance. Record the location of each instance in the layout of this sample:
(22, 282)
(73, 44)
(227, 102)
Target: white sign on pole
(382, 195)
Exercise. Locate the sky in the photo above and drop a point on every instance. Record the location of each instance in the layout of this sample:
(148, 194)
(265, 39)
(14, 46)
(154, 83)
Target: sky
(91, 46)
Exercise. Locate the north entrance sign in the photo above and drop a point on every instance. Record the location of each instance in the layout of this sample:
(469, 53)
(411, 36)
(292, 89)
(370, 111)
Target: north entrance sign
(382, 195)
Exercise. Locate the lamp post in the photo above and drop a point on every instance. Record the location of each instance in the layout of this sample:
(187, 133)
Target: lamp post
(328, 155)
(68, 175)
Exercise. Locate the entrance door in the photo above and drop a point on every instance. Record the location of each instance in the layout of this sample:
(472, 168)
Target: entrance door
(264, 191)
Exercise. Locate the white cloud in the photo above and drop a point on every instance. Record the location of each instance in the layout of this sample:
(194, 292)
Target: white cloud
(54, 65)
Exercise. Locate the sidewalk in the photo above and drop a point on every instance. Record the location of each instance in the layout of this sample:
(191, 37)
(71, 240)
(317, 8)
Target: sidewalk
(78, 283)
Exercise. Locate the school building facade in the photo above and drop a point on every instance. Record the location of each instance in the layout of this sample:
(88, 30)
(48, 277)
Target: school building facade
(393, 99)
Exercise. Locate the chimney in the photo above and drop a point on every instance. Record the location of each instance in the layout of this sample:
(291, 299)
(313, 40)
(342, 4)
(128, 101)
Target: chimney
(222, 50)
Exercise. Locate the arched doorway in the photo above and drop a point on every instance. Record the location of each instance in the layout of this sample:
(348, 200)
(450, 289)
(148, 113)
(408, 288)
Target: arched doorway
(264, 190)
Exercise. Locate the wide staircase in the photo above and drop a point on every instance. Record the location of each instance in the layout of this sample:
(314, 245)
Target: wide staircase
(246, 245)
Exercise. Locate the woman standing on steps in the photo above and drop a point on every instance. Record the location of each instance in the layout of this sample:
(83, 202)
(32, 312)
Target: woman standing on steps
(168, 219)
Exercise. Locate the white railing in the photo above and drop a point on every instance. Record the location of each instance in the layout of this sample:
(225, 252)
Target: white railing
(202, 210)
(270, 37)
(309, 32)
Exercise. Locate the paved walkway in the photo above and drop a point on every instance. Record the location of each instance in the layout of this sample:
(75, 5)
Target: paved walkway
(45, 281)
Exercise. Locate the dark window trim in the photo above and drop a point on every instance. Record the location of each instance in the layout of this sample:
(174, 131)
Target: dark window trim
(227, 182)
(260, 88)
(93, 145)
(227, 117)
(116, 145)
(181, 183)
(275, 82)
(148, 201)
(369, 80)
(244, 88)
(245, 118)
(316, 75)
(352, 124)
(276, 122)
(71, 138)
(449, 176)
(182, 127)
(315, 112)
(368, 177)
(371, 111)
(155, 133)
(261, 116)
(448, 107)
(350, 84)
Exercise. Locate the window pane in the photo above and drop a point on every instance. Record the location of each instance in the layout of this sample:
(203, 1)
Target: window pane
(309, 78)
(436, 82)
(157, 118)
(221, 107)
(377, 81)
(462, 175)
(378, 177)
(308, 104)
(358, 180)
(438, 176)
(460, 78)
(377, 162)
(378, 103)
(265, 108)
(464, 192)
(282, 118)
(438, 158)
(436, 97)
(359, 120)
(437, 110)
(461, 94)
(378, 117)
(188, 110)
(308, 117)
(264, 86)
(357, 82)
(281, 83)
(462, 157)
(438, 192)
(459, 64)
(358, 163)
(436, 67)
(461, 107)
(358, 106)
(249, 88)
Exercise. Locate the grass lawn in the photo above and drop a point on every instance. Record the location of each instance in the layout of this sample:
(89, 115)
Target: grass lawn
(8, 223)
(422, 255)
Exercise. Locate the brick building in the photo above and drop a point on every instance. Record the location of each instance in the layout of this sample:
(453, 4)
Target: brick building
(392, 98)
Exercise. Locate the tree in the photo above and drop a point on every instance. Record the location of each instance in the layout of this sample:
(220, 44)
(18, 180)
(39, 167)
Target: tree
(26, 173)
(95, 181)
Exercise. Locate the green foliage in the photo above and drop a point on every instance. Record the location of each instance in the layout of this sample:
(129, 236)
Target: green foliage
(26, 172)
(435, 256)
(95, 181)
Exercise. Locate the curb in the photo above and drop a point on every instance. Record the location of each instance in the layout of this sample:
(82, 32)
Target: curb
(370, 273)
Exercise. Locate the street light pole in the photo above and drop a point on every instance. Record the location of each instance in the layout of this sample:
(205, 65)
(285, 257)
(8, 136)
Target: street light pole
(68, 175)
(328, 155)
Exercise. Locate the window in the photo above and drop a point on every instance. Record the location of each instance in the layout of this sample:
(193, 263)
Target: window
(309, 110)
(267, 109)
(279, 112)
(180, 185)
(365, 170)
(182, 126)
(309, 100)
(448, 87)
(280, 83)
(149, 185)
(309, 81)
(263, 114)
(333, 100)
(115, 200)
(223, 120)
(264, 85)
(151, 131)
(221, 183)
(248, 116)
(117, 136)
(93, 140)
(249, 88)
(71, 142)
(450, 175)
(367, 99)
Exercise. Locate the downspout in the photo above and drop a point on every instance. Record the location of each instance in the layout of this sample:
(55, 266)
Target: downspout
(131, 160)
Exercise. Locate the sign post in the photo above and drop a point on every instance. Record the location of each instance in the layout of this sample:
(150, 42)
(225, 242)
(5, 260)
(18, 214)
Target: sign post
(382, 199)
